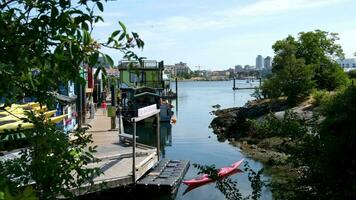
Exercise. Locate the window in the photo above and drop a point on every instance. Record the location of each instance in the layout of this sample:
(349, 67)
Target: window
(134, 78)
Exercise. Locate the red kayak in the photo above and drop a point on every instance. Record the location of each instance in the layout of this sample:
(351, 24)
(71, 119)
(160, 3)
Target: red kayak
(223, 172)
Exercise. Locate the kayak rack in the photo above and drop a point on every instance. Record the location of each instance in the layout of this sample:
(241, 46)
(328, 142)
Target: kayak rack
(165, 177)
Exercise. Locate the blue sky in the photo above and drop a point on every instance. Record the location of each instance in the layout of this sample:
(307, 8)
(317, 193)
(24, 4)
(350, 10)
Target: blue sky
(221, 34)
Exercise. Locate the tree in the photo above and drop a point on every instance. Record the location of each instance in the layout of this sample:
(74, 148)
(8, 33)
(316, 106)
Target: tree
(319, 49)
(300, 65)
(44, 44)
(291, 77)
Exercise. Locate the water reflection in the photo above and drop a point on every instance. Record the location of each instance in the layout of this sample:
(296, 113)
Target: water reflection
(146, 133)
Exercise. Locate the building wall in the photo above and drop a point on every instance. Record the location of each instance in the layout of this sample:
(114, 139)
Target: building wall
(347, 63)
(259, 62)
(268, 62)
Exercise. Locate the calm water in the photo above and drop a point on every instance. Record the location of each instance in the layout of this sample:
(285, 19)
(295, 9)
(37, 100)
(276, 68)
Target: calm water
(192, 139)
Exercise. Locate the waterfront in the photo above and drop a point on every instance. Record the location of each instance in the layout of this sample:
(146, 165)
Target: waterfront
(192, 139)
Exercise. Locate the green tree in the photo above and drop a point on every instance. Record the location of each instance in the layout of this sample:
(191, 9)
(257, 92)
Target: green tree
(302, 64)
(45, 43)
(320, 50)
(291, 77)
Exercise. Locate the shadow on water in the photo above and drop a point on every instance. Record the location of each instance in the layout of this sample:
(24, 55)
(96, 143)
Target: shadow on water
(146, 133)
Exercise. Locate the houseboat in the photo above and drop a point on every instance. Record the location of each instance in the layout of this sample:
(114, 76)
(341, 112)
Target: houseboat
(142, 84)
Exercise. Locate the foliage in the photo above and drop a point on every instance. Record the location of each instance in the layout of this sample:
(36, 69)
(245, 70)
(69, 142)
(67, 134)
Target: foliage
(326, 156)
(352, 74)
(319, 97)
(291, 77)
(303, 64)
(51, 161)
(271, 88)
(43, 45)
(257, 94)
(319, 48)
(289, 126)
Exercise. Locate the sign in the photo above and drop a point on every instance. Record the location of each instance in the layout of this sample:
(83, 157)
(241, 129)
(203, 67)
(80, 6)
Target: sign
(146, 110)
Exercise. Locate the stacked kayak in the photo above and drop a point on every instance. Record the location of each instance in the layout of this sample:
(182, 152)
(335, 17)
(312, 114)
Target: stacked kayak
(13, 117)
(205, 179)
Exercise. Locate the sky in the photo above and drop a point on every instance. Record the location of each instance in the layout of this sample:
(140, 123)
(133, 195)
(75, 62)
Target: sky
(216, 34)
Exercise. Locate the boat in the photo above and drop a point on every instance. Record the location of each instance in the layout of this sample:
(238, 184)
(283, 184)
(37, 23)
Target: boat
(223, 172)
(136, 98)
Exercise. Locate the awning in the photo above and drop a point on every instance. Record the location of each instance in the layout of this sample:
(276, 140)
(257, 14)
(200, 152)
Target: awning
(66, 99)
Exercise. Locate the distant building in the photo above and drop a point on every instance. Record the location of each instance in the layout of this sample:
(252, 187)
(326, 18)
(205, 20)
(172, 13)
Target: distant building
(178, 69)
(238, 68)
(249, 67)
(347, 63)
(259, 62)
(268, 62)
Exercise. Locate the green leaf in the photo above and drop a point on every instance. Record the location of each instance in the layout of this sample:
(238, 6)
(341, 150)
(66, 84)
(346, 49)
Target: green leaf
(85, 26)
(115, 33)
(122, 36)
(86, 37)
(110, 61)
(93, 60)
(123, 26)
(100, 6)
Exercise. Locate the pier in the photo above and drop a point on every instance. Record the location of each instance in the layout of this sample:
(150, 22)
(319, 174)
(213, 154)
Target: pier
(117, 157)
(166, 176)
(245, 88)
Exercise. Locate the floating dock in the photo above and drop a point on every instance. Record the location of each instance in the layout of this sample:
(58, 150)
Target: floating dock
(165, 177)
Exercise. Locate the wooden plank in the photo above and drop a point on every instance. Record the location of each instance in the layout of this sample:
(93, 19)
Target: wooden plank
(165, 176)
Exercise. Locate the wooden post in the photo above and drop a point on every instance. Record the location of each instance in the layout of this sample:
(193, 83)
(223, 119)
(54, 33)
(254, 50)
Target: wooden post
(260, 81)
(113, 105)
(134, 153)
(177, 87)
(234, 84)
(158, 134)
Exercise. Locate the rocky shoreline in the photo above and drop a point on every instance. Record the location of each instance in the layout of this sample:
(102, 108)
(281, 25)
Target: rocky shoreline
(232, 124)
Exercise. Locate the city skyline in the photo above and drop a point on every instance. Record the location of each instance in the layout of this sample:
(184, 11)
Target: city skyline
(217, 35)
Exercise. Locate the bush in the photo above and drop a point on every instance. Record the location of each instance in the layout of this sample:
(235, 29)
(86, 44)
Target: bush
(289, 126)
(319, 97)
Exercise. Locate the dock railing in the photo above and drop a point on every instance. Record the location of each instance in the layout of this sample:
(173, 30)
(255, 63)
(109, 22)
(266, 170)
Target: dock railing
(145, 113)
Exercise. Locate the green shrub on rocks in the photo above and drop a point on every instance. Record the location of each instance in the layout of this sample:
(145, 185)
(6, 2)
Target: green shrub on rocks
(289, 126)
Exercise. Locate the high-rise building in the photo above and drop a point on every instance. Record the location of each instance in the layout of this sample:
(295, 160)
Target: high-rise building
(268, 62)
(259, 62)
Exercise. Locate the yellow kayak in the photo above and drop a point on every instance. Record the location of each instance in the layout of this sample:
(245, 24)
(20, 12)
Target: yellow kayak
(15, 125)
(26, 125)
(22, 110)
(17, 117)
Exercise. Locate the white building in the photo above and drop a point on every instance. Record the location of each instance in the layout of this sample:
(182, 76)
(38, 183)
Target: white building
(347, 63)
(178, 69)
(259, 62)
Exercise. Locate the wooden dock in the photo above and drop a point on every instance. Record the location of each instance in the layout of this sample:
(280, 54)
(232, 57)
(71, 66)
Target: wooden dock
(116, 158)
(166, 176)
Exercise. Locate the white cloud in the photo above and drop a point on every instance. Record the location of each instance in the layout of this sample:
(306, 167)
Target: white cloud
(348, 41)
(268, 7)
(235, 16)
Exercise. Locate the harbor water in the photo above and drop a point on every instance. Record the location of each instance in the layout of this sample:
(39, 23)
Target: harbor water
(190, 138)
